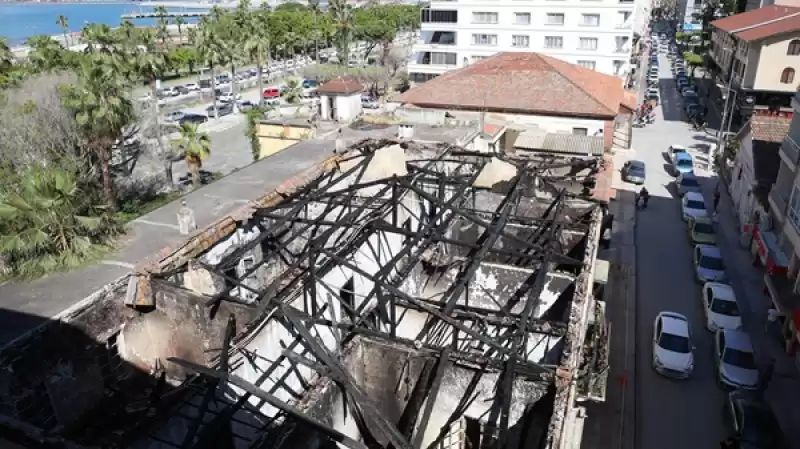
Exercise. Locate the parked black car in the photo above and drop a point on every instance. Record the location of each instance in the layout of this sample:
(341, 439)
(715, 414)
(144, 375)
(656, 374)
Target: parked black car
(753, 422)
(193, 118)
(222, 108)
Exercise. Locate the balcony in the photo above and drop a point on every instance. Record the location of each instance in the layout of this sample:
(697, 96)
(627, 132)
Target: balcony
(623, 26)
(790, 152)
(423, 67)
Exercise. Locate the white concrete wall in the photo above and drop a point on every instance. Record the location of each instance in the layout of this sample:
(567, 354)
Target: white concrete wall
(611, 26)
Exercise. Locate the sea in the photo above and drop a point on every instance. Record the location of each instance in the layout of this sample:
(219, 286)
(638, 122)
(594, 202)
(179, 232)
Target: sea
(19, 21)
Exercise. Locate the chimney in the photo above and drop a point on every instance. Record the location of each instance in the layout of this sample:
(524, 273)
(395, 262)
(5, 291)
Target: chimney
(481, 122)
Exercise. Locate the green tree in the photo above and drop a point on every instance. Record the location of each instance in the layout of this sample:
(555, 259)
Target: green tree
(98, 38)
(63, 22)
(257, 44)
(48, 223)
(313, 5)
(195, 147)
(162, 23)
(102, 111)
(693, 60)
(342, 17)
(212, 51)
(254, 115)
(293, 92)
(180, 22)
(184, 57)
(46, 54)
(6, 56)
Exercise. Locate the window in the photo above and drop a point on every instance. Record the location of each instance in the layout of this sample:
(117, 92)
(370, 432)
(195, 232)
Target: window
(787, 76)
(794, 48)
(477, 58)
(590, 20)
(580, 131)
(620, 44)
(484, 17)
(520, 41)
(587, 43)
(443, 58)
(793, 211)
(617, 65)
(484, 39)
(587, 64)
(553, 42)
(433, 16)
(522, 18)
(555, 18)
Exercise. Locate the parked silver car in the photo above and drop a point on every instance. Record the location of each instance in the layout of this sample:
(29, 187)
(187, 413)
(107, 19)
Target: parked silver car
(708, 264)
(633, 172)
(735, 360)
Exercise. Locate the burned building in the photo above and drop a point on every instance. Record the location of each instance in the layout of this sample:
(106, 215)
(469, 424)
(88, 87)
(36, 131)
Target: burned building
(397, 296)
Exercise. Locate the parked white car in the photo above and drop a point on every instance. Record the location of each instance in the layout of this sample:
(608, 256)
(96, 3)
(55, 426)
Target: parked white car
(735, 360)
(192, 87)
(672, 346)
(229, 97)
(708, 264)
(693, 205)
(720, 307)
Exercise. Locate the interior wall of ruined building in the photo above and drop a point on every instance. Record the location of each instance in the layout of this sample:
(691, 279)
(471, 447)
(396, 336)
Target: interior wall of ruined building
(389, 372)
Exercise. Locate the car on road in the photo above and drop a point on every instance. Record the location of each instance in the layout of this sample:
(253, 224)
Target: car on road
(653, 95)
(192, 87)
(693, 205)
(672, 345)
(702, 230)
(686, 182)
(229, 97)
(720, 307)
(223, 109)
(690, 97)
(174, 116)
(194, 119)
(653, 77)
(708, 264)
(245, 105)
(752, 422)
(673, 151)
(310, 84)
(272, 92)
(633, 172)
(370, 103)
(270, 103)
(735, 360)
(682, 163)
(681, 83)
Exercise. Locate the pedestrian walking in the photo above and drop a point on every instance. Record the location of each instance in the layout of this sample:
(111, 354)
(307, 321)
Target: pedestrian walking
(186, 220)
(772, 318)
(716, 199)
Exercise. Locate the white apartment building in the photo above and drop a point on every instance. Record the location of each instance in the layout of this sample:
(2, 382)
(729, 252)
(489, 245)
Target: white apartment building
(596, 34)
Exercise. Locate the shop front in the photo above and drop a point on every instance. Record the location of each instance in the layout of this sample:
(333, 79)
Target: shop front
(787, 303)
(766, 252)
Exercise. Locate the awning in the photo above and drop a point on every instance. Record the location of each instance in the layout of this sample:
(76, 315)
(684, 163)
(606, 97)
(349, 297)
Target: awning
(769, 251)
(601, 269)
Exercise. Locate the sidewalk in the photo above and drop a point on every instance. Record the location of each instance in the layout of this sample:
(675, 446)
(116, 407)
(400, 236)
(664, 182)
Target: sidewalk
(48, 296)
(747, 281)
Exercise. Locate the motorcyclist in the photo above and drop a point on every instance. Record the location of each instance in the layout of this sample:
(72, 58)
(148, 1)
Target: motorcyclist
(644, 196)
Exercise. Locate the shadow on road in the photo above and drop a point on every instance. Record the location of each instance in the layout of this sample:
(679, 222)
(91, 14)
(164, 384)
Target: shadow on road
(671, 102)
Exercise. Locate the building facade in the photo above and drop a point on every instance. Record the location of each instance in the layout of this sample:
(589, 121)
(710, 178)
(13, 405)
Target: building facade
(757, 54)
(596, 34)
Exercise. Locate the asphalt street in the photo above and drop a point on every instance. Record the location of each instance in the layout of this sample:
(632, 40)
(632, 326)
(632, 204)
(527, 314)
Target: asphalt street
(670, 413)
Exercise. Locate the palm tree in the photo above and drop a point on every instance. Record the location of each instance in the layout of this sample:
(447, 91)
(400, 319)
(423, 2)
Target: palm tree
(180, 21)
(313, 5)
(195, 147)
(98, 37)
(52, 224)
(102, 111)
(256, 45)
(161, 12)
(46, 54)
(342, 16)
(293, 91)
(63, 22)
(212, 50)
(150, 65)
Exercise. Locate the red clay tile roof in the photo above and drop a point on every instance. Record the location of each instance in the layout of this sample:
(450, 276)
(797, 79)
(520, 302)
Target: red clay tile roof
(523, 82)
(761, 23)
(341, 85)
(769, 128)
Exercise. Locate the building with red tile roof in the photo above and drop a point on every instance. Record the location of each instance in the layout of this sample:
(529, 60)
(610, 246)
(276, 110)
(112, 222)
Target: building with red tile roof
(757, 52)
(534, 89)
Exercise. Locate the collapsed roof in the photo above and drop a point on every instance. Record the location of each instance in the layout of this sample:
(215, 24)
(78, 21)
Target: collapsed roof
(395, 297)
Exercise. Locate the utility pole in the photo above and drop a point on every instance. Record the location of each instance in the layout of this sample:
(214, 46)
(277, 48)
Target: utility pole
(726, 110)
